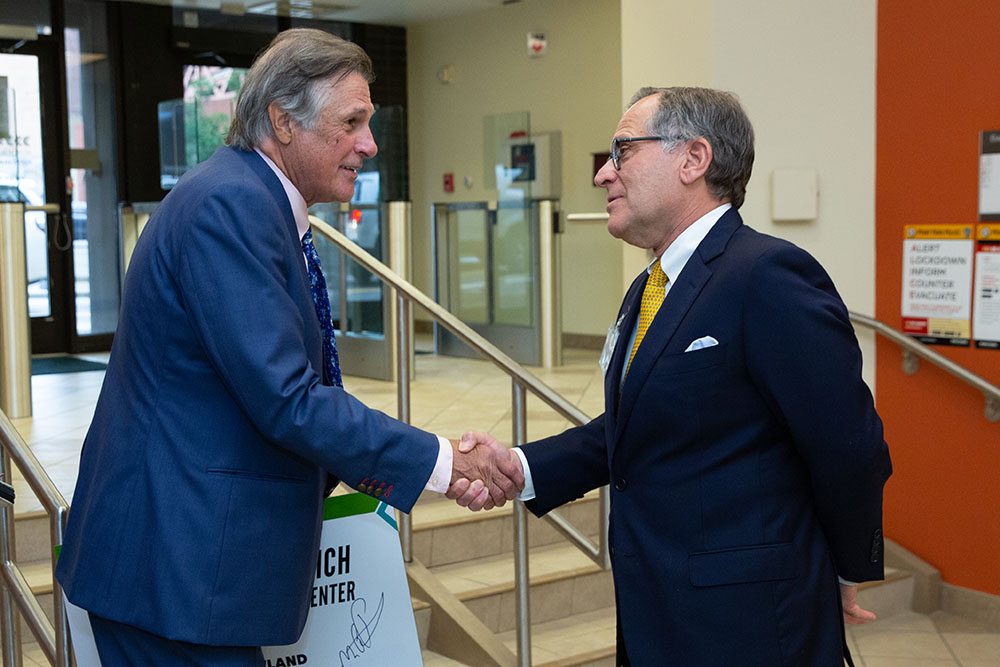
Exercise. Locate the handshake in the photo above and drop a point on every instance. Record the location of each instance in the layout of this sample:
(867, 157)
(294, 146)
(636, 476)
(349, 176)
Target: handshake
(485, 474)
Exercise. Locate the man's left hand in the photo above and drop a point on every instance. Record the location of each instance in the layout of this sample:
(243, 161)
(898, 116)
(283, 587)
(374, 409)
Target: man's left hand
(853, 614)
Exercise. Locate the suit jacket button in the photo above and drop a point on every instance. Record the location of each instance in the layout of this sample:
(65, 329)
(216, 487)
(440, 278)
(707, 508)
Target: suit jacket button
(876, 545)
(362, 488)
(378, 492)
(621, 485)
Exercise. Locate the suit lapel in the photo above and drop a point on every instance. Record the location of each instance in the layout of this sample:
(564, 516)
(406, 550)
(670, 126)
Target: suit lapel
(314, 335)
(277, 190)
(678, 302)
(628, 314)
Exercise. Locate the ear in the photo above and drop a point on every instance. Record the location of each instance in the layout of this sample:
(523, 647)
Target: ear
(281, 123)
(697, 158)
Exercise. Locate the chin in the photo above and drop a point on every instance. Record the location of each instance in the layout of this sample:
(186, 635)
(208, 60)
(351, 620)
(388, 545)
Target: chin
(344, 195)
(616, 230)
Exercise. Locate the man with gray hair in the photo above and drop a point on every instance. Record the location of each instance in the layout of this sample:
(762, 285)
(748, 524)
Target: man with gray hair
(742, 448)
(222, 422)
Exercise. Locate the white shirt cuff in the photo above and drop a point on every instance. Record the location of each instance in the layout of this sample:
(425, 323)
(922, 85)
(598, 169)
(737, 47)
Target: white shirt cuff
(441, 475)
(846, 582)
(528, 492)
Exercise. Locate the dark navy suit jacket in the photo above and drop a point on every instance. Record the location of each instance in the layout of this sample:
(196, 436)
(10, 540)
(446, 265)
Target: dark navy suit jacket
(744, 476)
(197, 510)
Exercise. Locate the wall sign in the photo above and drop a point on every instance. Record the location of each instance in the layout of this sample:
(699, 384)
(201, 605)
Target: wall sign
(986, 294)
(937, 283)
(538, 44)
(989, 175)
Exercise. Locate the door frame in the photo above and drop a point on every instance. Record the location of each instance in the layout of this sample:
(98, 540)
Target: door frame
(54, 333)
(520, 342)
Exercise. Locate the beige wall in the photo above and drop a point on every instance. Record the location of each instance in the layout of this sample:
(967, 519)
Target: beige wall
(805, 70)
(573, 89)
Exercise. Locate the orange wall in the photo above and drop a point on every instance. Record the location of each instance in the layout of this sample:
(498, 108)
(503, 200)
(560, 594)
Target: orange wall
(938, 86)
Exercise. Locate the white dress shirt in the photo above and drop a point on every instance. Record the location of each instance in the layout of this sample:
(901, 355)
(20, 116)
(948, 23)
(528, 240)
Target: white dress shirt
(672, 261)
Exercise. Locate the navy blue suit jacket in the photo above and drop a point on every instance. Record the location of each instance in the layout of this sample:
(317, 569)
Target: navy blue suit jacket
(744, 476)
(198, 507)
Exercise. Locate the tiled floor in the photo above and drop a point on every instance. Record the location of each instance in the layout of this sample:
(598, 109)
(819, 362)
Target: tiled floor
(915, 640)
(452, 395)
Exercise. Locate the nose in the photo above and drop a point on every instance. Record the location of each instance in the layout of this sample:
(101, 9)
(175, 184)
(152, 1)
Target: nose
(605, 175)
(366, 144)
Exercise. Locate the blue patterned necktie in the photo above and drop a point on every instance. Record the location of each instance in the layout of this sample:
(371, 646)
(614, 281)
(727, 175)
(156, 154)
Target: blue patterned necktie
(317, 285)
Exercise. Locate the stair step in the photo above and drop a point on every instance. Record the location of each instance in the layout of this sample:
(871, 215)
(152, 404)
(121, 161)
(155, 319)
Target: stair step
(422, 619)
(32, 540)
(432, 659)
(890, 596)
(585, 639)
(563, 582)
(445, 533)
(38, 574)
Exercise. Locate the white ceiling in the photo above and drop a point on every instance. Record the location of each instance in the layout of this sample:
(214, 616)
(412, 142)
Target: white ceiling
(386, 12)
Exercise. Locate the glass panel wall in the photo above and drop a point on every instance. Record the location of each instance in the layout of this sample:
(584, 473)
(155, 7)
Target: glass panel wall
(513, 262)
(467, 261)
(22, 171)
(93, 180)
(509, 164)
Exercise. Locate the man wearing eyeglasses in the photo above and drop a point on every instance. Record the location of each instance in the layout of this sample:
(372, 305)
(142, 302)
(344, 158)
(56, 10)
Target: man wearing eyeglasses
(744, 455)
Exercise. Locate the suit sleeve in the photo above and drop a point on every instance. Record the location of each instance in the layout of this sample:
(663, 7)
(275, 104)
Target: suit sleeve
(804, 358)
(233, 278)
(566, 466)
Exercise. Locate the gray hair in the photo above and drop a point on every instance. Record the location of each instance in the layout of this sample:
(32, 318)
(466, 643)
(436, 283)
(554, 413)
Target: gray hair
(296, 70)
(716, 116)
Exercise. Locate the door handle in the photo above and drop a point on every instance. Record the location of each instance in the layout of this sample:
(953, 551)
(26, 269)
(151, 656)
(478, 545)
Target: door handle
(48, 209)
(67, 232)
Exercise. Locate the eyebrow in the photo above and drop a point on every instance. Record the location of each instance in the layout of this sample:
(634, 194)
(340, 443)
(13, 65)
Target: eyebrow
(361, 111)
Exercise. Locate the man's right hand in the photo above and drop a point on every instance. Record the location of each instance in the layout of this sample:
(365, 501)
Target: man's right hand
(495, 472)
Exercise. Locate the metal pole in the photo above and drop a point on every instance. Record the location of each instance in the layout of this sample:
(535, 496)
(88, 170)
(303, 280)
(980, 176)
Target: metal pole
(550, 326)
(401, 260)
(57, 529)
(15, 326)
(403, 399)
(522, 584)
(11, 625)
(398, 217)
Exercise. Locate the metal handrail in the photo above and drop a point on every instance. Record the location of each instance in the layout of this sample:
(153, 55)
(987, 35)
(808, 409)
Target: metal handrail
(54, 641)
(522, 381)
(912, 349)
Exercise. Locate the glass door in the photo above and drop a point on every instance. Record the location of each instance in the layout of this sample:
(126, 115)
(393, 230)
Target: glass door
(487, 252)
(31, 172)
(92, 183)
(358, 300)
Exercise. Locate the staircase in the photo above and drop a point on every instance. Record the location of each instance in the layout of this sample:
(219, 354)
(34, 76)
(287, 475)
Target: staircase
(571, 599)
(471, 555)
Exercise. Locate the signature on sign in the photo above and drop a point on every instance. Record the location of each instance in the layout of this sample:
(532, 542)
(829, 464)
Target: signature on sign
(362, 628)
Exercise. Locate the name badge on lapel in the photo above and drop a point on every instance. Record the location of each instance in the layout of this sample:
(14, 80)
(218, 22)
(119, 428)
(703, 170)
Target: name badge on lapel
(609, 344)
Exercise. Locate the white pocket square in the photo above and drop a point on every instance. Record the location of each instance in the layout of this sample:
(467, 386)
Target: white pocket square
(701, 343)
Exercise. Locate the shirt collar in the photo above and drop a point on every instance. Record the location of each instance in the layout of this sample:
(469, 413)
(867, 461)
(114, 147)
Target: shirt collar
(299, 209)
(679, 252)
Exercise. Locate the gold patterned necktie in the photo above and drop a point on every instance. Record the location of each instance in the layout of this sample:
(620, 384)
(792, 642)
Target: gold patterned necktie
(652, 299)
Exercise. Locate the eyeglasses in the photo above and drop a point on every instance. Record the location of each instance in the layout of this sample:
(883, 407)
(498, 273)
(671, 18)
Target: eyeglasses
(616, 151)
